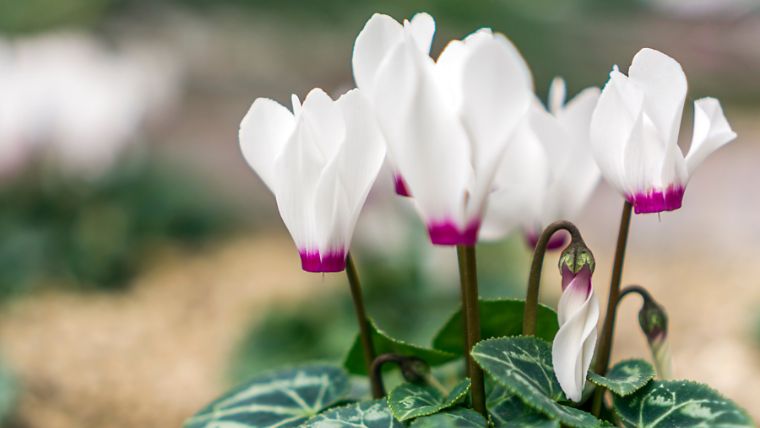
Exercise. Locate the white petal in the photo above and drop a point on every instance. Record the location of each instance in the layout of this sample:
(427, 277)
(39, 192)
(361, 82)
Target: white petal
(617, 112)
(519, 186)
(497, 90)
(663, 82)
(324, 121)
(574, 343)
(375, 41)
(557, 93)
(346, 183)
(424, 137)
(711, 132)
(263, 132)
(581, 175)
(422, 28)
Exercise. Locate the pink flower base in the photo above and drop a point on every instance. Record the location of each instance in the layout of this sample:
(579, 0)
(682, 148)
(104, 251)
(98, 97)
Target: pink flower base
(312, 261)
(448, 233)
(556, 242)
(657, 201)
(400, 186)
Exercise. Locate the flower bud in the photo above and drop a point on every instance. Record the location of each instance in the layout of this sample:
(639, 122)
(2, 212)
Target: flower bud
(578, 313)
(654, 323)
(573, 259)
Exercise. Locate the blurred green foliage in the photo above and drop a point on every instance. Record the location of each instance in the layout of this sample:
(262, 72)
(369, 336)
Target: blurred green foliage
(99, 233)
(405, 302)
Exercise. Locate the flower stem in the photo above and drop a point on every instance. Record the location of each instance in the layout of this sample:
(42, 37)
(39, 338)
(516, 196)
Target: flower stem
(471, 314)
(534, 279)
(413, 369)
(365, 334)
(604, 347)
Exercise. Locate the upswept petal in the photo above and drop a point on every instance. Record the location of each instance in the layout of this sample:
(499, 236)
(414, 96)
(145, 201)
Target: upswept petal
(519, 186)
(557, 94)
(423, 135)
(380, 35)
(263, 133)
(663, 82)
(711, 132)
(497, 90)
(375, 41)
(323, 118)
(422, 28)
(617, 113)
(582, 175)
(347, 180)
(574, 343)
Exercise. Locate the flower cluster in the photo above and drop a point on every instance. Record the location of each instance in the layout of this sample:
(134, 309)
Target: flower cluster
(477, 152)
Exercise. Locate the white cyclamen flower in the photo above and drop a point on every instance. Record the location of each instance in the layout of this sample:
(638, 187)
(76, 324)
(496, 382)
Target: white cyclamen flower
(379, 37)
(574, 344)
(320, 162)
(447, 123)
(635, 127)
(548, 172)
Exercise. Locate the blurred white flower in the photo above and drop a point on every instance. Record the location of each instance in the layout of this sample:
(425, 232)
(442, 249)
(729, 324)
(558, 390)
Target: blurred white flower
(548, 172)
(447, 123)
(66, 97)
(635, 127)
(320, 161)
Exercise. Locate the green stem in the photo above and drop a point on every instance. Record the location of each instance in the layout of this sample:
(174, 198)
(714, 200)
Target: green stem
(365, 335)
(534, 279)
(604, 347)
(471, 314)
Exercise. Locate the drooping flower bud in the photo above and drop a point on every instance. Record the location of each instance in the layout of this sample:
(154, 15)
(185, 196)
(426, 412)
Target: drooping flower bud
(578, 313)
(654, 323)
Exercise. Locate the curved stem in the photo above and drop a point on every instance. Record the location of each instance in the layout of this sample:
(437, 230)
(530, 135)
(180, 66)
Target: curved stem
(410, 370)
(634, 289)
(534, 279)
(604, 346)
(376, 370)
(471, 314)
(365, 334)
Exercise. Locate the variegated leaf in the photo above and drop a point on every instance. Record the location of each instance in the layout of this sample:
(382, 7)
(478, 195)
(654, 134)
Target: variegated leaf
(367, 414)
(410, 400)
(459, 417)
(625, 378)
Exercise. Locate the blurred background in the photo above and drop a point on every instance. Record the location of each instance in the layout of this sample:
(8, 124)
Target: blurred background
(144, 268)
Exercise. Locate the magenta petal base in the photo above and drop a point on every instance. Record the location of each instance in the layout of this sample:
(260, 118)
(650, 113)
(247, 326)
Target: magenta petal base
(657, 201)
(556, 242)
(448, 233)
(400, 186)
(312, 261)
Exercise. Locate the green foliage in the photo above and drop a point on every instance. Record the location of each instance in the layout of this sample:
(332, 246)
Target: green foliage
(8, 392)
(459, 417)
(499, 317)
(625, 378)
(679, 404)
(97, 234)
(508, 411)
(410, 400)
(524, 366)
(367, 414)
(281, 399)
(384, 343)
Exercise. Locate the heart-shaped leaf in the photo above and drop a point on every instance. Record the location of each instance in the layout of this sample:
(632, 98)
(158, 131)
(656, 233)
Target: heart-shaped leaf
(508, 411)
(498, 318)
(367, 414)
(459, 417)
(281, 399)
(524, 366)
(625, 378)
(411, 400)
(679, 404)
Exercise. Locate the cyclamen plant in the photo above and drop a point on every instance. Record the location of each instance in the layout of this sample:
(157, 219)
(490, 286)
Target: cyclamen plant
(462, 132)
